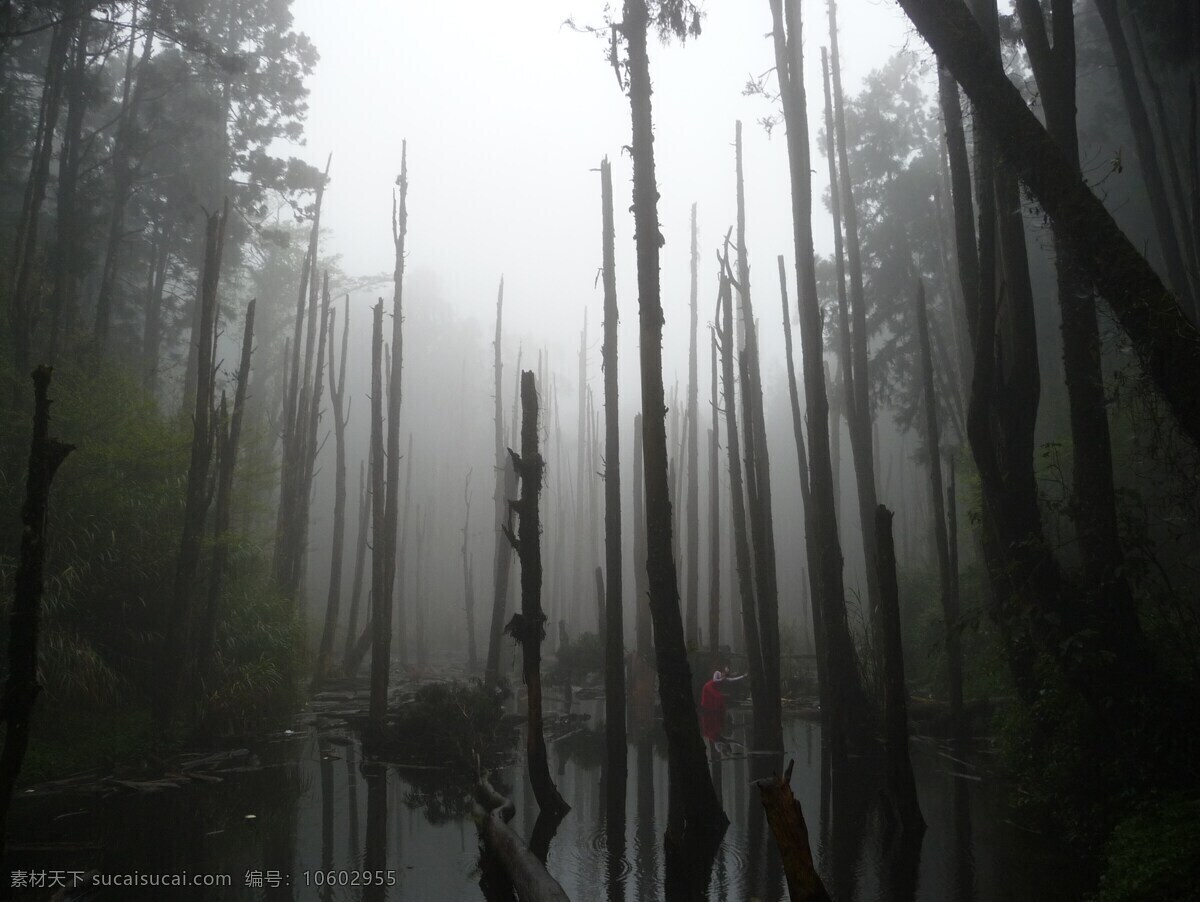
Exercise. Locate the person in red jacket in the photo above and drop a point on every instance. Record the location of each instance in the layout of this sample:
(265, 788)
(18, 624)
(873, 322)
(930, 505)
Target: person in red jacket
(712, 708)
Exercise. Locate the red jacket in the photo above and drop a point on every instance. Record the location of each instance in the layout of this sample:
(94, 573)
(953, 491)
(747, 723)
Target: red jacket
(712, 711)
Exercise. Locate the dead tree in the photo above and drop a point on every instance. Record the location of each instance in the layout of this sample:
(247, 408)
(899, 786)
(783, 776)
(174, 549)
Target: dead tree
(529, 626)
(644, 639)
(337, 395)
(791, 833)
(857, 378)
(1166, 343)
(379, 613)
(693, 456)
(702, 816)
(177, 649)
(502, 558)
(901, 788)
(228, 439)
(350, 660)
(714, 514)
(758, 466)
(941, 542)
(46, 455)
(399, 611)
(848, 711)
(613, 628)
(468, 581)
(737, 501)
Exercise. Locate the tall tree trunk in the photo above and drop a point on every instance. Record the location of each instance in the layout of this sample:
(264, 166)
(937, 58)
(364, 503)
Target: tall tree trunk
(68, 221)
(153, 314)
(901, 787)
(1095, 507)
(399, 611)
(848, 712)
(614, 627)
(805, 490)
(941, 541)
(714, 514)
(380, 634)
(644, 638)
(230, 438)
(46, 455)
(762, 518)
(350, 660)
(860, 414)
(469, 583)
(177, 648)
(123, 171)
(21, 300)
(737, 502)
(529, 627)
(1164, 340)
(502, 557)
(337, 396)
(693, 461)
(702, 815)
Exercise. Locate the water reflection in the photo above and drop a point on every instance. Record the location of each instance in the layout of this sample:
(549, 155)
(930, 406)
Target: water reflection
(291, 811)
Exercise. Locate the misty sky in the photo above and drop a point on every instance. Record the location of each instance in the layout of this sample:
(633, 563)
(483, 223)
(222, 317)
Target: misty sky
(507, 113)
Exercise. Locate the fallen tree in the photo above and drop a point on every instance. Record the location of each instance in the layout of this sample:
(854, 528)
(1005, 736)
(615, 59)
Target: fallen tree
(528, 876)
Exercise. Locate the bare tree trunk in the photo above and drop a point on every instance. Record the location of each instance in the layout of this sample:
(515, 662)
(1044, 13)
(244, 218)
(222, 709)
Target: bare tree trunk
(46, 455)
(848, 711)
(399, 611)
(860, 414)
(745, 569)
(693, 461)
(350, 660)
(469, 583)
(614, 625)
(791, 833)
(644, 637)
(529, 626)
(702, 815)
(178, 649)
(761, 516)
(714, 514)
(941, 542)
(379, 613)
(901, 788)
(502, 558)
(152, 318)
(21, 302)
(1161, 335)
(337, 395)
(230, 438)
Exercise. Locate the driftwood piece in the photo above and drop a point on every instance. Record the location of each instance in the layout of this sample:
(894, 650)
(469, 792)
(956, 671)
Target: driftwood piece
(528, 876)
(787, 824)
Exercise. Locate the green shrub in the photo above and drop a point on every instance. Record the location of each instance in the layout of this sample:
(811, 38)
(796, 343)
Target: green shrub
(1154, 854)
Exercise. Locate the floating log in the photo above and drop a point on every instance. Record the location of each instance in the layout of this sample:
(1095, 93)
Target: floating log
(528, 876)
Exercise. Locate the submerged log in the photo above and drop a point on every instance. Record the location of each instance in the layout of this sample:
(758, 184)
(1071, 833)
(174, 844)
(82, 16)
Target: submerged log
(787, 824)
(528, 876)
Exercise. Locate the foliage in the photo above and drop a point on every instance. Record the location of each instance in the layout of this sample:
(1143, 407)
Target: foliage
(583, 657)
(456, 725)
(1154, 853)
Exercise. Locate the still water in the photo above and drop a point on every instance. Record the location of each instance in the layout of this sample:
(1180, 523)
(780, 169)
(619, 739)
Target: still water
(303, 810)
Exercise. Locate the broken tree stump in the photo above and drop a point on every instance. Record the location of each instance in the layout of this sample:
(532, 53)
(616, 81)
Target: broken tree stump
(787, 824)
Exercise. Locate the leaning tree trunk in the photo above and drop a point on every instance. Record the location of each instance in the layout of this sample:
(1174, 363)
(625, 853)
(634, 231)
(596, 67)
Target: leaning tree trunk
(1166, 343)
(21, 689)
(848, 711)
(702, 815)
(614, 627)
(337, 395)
(529, 626)
(714, 515)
